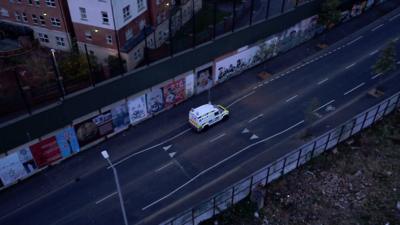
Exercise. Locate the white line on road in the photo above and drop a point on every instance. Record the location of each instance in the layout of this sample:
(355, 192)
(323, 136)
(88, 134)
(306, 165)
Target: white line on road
(217, 137)
(149, 148)
(377, 27)
(110, 195)
(163, 167)
(219, 163)
(377, 75)
(254, 118)
(323, 81)
(349, 66)
(322, 106)
(355, 88)
(374, 52)
(351, 42)
(394, 17)
(241, 98)
(291, 98)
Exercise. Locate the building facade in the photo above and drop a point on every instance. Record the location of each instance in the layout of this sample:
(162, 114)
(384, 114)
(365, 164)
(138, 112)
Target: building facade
(49, 20)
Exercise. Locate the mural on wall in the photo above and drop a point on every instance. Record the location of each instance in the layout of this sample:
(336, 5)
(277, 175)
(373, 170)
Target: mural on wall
(120, 117)
(46, 151)
(308, 28)
(289, 38)
(204, 80)
(155, 100)
(94, 128)
(11, 169)
(189, 85)
(231, 65)
(137, 109)
(357, 9)
(67, 141)
(174, 92)
(26, 159)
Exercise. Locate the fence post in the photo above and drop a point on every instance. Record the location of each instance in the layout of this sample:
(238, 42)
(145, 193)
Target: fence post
(298, 158)
(171, 50)
(297, 3)
(194, 26)
(266, 181)
(214, 206)
(283, 6)
(215, 19)
(327, 142)
(234, 15)
(365, 118)
(21, 90)
(90, 66)
(341, 132)
(313, 149)
(377, 111)
(267, 12)
(251, 185)
(387, 106)
(251, 12)
(283, 167)
(233, 194)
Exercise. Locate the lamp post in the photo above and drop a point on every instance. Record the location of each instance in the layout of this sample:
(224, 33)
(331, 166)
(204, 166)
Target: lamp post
(59, 78)
(121, 201)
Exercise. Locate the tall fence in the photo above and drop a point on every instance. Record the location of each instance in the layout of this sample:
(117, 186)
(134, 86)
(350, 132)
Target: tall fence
(285, 164)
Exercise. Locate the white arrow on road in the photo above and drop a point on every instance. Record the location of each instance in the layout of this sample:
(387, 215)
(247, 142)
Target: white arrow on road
(167, 147)
(245, 131)
(253, 137)
(172, 154)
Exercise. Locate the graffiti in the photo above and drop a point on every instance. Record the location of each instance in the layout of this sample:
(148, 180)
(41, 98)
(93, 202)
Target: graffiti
(155, 101)
(137, 109)
(204, 79)
(174, 92)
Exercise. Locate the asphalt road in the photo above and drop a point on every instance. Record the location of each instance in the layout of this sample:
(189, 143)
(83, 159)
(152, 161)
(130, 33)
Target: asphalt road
(170, 165)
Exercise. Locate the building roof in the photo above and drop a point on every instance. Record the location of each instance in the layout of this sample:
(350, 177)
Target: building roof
(203, 109)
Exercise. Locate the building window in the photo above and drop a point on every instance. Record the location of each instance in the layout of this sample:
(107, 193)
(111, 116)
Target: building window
(137, 55)
(104, 16)
(37, 2)
(83, 13)
(126, 11)
(17, 16)
(140, 4)
(109, 39)
(88, 35)
(35, 19)
(30, 2)
(24, 17)
(42, 21)
(51, 3)
(4, 12)
(55, 22)
(142, 24)
(129, 34)
(60, 41)
(43, 38)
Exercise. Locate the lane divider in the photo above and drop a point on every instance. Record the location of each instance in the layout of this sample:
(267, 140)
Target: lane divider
(355, 88)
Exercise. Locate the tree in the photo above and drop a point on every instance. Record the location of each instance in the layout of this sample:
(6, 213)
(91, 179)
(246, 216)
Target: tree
(114, 65)
(387, 60)
(75, 66)
(330, 13)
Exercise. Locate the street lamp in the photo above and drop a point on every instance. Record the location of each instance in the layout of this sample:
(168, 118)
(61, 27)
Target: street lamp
(59, 78)
(121, 201)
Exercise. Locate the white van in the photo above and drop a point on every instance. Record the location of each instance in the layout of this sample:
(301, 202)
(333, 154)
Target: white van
(206, 115)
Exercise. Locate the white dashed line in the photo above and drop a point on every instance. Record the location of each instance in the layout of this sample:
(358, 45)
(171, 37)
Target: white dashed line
(349, 66)
(256, 117)
(394, 17)
(353, 41)
(163, 167)
(323, 81)
(322, 106)
(377, 75)
(291, 98)
(377, 27)
(373, 52)
(241, 98)
(108, 196)
(217, 137)
(355, 88)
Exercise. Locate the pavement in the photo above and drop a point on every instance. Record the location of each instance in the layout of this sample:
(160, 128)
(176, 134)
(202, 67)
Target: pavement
(164, 167)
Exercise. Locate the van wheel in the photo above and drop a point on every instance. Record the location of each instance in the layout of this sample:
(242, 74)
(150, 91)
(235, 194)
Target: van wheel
(226, 117)
(205, 127)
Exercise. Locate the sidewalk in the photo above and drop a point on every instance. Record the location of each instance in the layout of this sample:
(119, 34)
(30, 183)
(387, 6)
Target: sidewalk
(77, 167)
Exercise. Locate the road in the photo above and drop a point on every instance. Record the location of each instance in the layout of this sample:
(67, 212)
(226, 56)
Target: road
(175, 166)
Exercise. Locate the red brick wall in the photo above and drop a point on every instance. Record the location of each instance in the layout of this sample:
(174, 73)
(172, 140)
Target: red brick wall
(134, 24)
(98, 38)
(155, 9)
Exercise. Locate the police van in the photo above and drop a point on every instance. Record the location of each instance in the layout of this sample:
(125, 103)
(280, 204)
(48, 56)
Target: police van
(204, 116)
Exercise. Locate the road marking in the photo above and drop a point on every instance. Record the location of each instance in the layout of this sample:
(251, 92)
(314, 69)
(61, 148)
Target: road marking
(394, 17)
(323, 81)
(353, 41)
(373, 52)
(108, 196)
(349, 66)
(217, 137)
(167, 147)
(241, 98)
(291, 98)
(377, 27)
(172, 154)
(219, 163)
(245, 131)
(150, 148)
(377, 75)
(163, 167)
(254, 118)
(322, 106)
(355, 88)
(253, 137)
(318, 115)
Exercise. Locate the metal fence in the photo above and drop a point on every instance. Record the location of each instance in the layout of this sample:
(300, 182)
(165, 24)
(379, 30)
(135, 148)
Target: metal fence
(285, 164)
